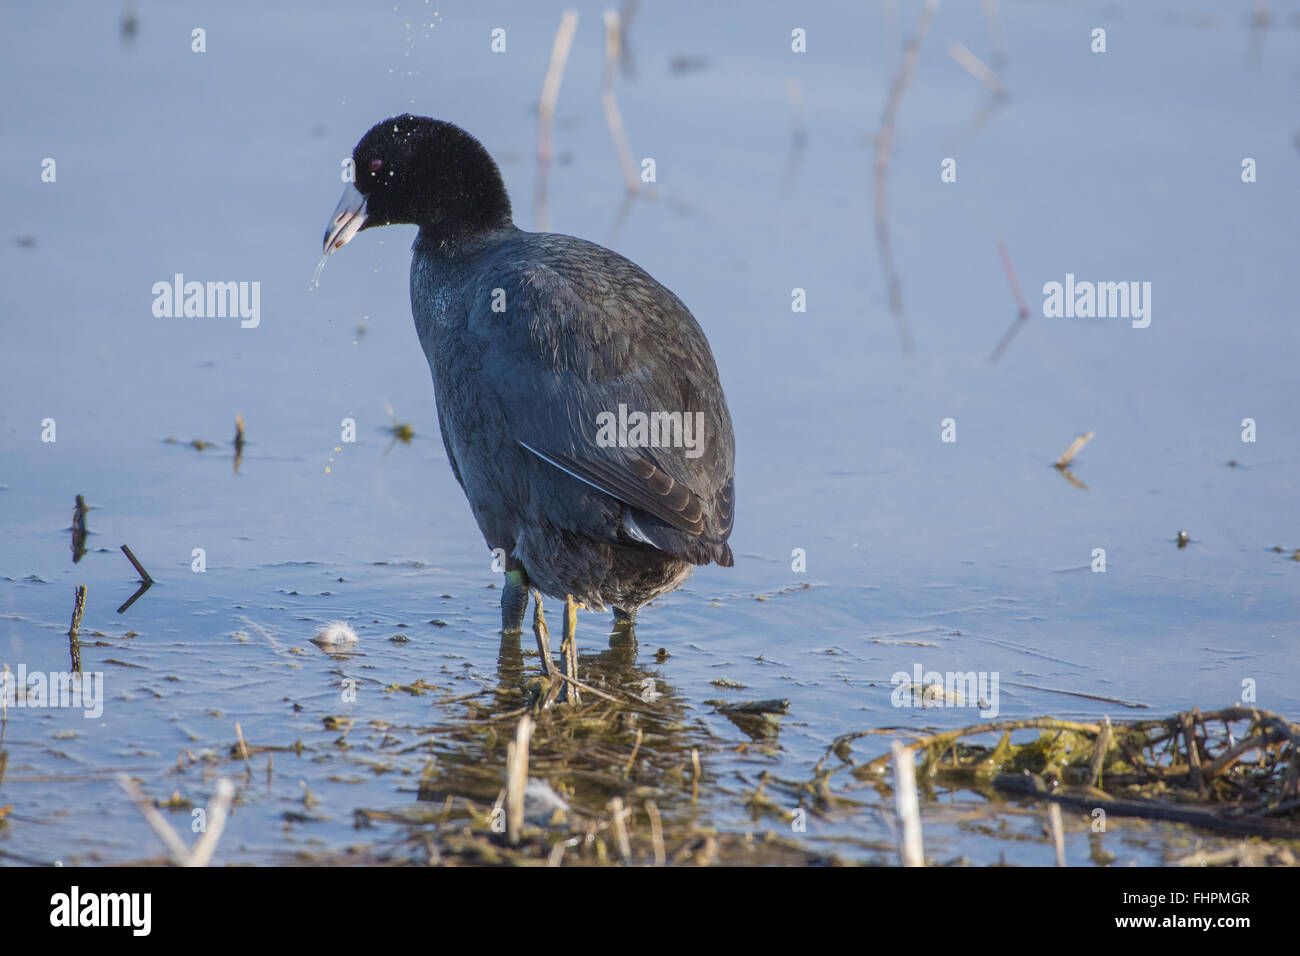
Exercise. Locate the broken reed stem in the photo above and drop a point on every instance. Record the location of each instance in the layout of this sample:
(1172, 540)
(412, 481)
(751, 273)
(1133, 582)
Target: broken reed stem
(884, 144)
(910, 849)
(517, 779)
(79, 515)
(1193, 754)
(176, 847)
(78, 608)
(695, 775)
(613, 118)
(656, 831)
(587, 687)
(997, 38)
(1099, 758)
(557, 854)
(239, 439)
(1291, 786)
(977, 68)
(1076, 446)
(617, 813)
(551, 84)
(546, 108)
(794, 94)
(889, 27)
(218, 811)
(243, 751)
(144, 575)
(636, 747)
(1058, 832)
(1022, 307)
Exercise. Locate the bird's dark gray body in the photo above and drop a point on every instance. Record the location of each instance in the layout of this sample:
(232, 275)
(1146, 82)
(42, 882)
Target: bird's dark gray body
(530, 338)
(539, 344)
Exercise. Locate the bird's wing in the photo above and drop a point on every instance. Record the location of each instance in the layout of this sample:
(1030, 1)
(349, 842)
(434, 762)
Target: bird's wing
(597, 337)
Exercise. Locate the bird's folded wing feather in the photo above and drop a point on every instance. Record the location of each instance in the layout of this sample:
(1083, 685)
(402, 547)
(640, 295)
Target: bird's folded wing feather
(593, 344)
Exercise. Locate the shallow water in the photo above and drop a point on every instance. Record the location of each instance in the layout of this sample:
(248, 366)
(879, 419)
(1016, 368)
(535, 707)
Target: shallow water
(954, 556)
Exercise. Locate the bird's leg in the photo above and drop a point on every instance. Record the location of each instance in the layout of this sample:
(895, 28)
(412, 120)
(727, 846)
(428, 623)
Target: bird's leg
(569, 649)
(514, 601)
(554, 682)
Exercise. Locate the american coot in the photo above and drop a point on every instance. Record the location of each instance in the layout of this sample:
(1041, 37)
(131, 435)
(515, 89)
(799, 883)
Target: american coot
(578, 399)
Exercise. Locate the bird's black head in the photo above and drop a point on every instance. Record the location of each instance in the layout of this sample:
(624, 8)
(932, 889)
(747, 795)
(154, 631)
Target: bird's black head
(412, 169)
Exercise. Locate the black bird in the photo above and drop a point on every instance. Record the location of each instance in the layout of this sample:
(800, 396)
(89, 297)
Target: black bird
(578, 398)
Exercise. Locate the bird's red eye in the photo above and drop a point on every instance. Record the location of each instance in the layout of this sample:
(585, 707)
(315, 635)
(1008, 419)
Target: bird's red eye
(375, 165)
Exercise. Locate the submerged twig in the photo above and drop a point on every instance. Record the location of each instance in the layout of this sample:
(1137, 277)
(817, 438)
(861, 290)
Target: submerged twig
(1022, 308)
(79, 531)
(239, 439)
(798, 132)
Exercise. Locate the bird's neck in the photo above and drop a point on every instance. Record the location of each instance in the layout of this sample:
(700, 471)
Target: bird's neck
(451, 238)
